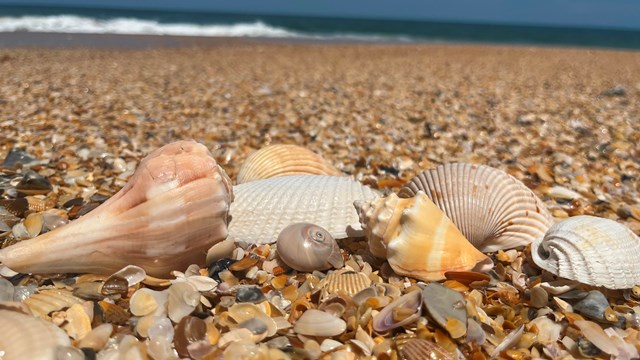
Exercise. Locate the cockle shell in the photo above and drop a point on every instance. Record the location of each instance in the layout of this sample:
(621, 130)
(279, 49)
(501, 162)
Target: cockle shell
(263, 208)
(491, 208)
(591, 250)
(308, 247)
(282, 160)
(27, 337)
(170, 212)
(417, 238)
(319, 323)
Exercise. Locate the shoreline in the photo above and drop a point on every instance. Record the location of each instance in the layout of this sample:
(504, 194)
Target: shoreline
(58, 40)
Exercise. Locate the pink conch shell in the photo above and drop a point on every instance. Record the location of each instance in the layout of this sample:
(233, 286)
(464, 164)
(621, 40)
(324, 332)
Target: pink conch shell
(165, 218)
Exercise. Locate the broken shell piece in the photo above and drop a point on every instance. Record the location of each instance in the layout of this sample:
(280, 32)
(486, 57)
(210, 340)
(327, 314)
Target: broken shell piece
(491, 208)
(263, 208)
(183, 299)
(48, 300)
(443, 305)
(421, 349)
(27, 337)
(405, 310)
(319, 323)
(308, 247)
(417, 238)
(591, 250)
(282, 160)
(170, 212)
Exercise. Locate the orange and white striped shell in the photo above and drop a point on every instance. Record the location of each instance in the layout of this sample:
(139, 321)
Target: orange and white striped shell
(417, 238)
(491, 208)
(283, 160)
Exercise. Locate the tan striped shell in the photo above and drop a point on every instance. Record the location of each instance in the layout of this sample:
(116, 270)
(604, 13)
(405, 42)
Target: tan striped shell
(491, 208)
(263, 208)
(421, 349)
(283, 160)
(347, 281)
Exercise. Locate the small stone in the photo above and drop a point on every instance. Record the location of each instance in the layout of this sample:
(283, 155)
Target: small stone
(6, 290)
(24, 292)
(161, 328)
(219, 266)
(539, 297)
(250, 294)
(17, 156)
(593, 306)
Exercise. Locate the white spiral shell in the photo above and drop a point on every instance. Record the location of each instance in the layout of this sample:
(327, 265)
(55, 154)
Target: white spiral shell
(591, 250)
(263, 208)
(491, 208)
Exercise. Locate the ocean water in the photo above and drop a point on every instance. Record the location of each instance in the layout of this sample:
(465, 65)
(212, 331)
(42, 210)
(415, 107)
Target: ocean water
(139, 22)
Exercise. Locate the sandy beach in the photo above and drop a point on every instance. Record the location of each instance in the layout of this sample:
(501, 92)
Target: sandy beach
(566, 122)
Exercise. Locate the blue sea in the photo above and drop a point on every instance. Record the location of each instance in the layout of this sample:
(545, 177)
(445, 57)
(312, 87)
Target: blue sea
(142, 22)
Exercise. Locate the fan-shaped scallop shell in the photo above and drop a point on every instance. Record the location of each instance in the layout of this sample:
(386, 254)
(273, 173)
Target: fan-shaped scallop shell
(491, 208)
(591, 250)
(347, 281)
(49, 300)
(283, 160)
(417, 238)
(263, 208)
(27, 337)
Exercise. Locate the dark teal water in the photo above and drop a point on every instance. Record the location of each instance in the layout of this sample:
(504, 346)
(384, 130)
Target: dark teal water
(318, 28)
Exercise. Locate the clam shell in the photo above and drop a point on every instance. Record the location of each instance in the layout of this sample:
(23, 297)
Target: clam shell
(47, 301)
(421, 349)
(263, 208)
(417, 238)
(171, 211)
(319, 323)
(347, 281)
(591, 250)
(411, 304)
(21, 332)
(283, 160)
(491, 208)
(308, 247)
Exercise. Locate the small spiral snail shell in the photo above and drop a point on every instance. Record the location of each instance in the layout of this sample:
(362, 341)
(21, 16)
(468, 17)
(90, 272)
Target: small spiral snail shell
(308, 247)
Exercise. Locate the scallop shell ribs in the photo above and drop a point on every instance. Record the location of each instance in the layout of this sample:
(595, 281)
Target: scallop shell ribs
(283, 160)
(591, 250)
(165, 218)
(263, 208)
(491, 208)
(417, 238)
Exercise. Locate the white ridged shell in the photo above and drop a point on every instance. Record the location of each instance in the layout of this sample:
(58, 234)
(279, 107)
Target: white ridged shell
(591, 250)
(491, 208)
(263, 208)
(283, 160)
(27, 337)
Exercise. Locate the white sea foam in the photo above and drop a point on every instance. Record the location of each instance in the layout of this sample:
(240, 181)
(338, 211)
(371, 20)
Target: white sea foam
(132, 26)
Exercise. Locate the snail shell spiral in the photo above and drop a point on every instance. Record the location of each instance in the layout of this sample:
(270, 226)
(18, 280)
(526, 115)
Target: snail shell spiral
(308, 247)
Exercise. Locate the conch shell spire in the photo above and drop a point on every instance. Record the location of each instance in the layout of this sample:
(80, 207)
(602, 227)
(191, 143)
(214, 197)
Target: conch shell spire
(171, 211)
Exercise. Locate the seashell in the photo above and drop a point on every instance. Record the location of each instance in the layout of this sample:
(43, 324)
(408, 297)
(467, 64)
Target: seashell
(170, 212)
(20, 206)
(263, 208)
(591, 250)
(417, 238)
(403, 311)
(97, 338)
(47, 301)
(33, 183)
(21, 332)
(593, 306)
(283, 160)
(420, 349)
(348, 281)
(183, 299)
(308, 247)
(189, 330)
(492, 209)
(444, 305)
(319, 323)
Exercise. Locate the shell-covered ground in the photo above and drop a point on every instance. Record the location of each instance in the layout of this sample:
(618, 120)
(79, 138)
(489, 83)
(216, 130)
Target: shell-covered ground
(566, 122)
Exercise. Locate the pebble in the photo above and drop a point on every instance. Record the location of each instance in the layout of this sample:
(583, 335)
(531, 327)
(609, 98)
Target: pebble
(250, 294)
(592, 306)
(219, 266)
(6, 290)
